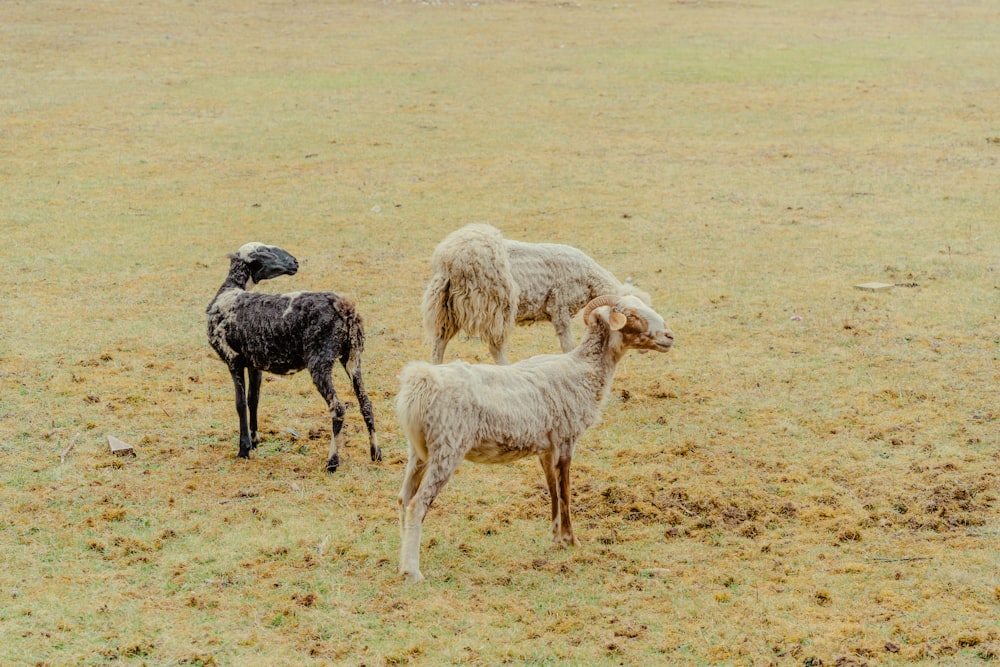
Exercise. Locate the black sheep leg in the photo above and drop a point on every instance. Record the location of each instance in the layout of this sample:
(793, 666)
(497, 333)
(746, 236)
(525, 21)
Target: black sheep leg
(324, 385)
(366, 410)
(241, 411)
(253, 397)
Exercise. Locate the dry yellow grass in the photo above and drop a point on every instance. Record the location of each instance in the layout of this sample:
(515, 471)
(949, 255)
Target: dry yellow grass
(811, 477)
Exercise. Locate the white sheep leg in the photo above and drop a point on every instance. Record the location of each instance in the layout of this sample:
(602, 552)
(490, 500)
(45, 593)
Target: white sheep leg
(438, 470)
(437, 353)
(561, 323)
(411, 482)
(499, 353)
(410, 563)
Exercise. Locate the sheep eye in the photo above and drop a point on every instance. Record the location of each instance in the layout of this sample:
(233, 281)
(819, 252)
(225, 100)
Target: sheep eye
(636, 324)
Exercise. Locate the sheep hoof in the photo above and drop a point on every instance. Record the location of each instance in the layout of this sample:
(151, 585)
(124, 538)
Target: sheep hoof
(414, 577)
(565, 541)
(376, 454)
(244, 453)
(331, 465)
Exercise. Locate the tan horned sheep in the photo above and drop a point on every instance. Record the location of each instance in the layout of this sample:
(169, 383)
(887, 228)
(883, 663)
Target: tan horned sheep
(495, 414)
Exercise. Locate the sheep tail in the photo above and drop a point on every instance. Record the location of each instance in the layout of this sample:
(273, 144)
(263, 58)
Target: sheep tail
(417, 389)
(472, 288)
(438, 320)
(354, 343)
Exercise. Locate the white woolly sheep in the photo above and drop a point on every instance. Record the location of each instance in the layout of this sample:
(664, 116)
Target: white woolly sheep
(483, 284)
(285, 333)
(496, 414)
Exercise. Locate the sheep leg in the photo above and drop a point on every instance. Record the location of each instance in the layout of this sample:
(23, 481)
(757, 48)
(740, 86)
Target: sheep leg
(353, 369)
(253, 397)
(324, 384)
(438, 470)
(241, 410)
(499, 352)
(437, 353)
(561, 322)
(566, 536)
(548, 462)
(414, 474)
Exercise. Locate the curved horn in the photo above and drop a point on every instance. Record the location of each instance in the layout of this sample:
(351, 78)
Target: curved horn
(603, 300)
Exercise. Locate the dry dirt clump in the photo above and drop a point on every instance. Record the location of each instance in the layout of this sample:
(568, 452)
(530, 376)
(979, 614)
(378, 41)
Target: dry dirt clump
(677, 510)
(942, 499)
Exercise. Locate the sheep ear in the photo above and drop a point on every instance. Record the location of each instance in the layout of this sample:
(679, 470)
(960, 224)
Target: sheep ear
(617, 320)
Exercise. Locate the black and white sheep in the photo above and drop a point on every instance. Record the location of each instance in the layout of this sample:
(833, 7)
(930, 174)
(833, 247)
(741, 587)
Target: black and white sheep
(496, 414)
(282, 334)
(483, 284)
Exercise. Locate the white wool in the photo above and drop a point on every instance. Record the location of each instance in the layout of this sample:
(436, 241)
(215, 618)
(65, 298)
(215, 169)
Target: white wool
(483, 284)
(495, 414)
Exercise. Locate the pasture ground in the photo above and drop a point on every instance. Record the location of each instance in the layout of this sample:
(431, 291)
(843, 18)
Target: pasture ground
(810, 477)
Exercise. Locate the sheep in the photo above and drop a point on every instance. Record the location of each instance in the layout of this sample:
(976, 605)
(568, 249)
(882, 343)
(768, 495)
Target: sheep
(283, 334)
(496, 414)
(483, 284)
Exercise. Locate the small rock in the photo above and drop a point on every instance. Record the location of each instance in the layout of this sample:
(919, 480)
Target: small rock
(119, 448)
(874, 287)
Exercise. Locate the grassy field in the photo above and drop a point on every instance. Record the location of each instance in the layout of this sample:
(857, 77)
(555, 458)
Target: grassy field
(810, 477)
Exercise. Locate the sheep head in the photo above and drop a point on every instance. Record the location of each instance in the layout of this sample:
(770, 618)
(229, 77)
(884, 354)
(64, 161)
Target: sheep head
(640, 327)
(266, 261)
